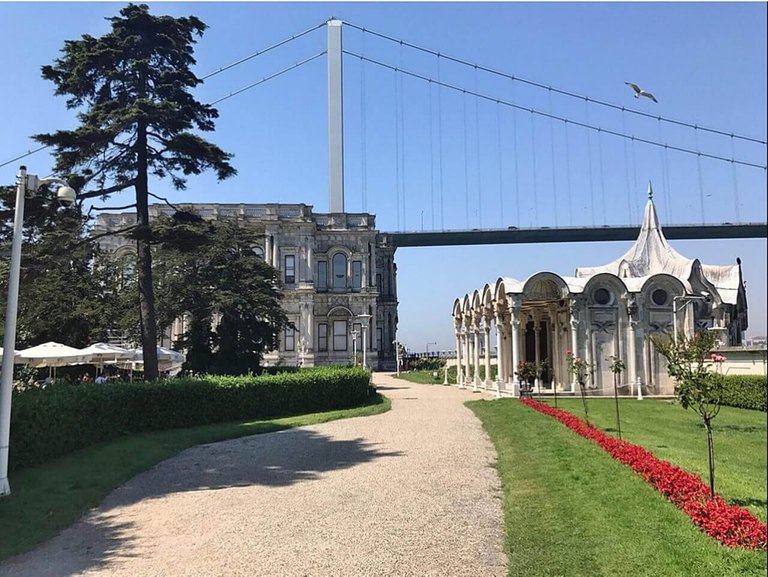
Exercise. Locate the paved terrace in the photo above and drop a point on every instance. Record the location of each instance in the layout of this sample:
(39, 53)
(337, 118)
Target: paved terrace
(411, 492)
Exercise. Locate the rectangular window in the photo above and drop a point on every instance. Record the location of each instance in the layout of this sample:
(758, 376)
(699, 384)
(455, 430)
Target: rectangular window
(322, 275)
(339, 335)
(378, 282)
(322, 337)
(357, 274)
(379, 339)
(290, 269)
(290, 339)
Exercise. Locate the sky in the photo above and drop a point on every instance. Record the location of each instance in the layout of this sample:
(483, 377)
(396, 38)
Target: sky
(422, 156)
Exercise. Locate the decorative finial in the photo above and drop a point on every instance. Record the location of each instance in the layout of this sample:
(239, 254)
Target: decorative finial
(650, 190)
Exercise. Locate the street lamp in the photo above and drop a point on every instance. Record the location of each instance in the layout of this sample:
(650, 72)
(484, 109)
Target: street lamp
(428, 347)
(364, 323)
(685, 299)
(354, 334)
(66, 196)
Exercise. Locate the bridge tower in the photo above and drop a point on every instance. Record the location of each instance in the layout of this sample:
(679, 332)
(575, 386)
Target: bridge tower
(335, 118)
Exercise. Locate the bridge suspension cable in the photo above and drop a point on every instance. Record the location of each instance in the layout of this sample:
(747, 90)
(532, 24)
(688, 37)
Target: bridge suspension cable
(594, 128)
(263, 51)
(554, 89)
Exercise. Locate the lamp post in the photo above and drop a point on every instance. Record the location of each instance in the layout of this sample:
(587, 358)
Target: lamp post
(685, 299)
(364, 324)
(66, 195)
(354, 334)
(428, 347)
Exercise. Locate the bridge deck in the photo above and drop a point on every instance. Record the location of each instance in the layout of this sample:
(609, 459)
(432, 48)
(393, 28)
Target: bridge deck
(514, 235)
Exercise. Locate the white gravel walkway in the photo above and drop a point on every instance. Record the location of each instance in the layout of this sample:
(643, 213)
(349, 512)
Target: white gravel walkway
(411, 492)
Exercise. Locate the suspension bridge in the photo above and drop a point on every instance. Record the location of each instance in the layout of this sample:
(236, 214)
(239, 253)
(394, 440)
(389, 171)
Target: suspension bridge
(479, 155)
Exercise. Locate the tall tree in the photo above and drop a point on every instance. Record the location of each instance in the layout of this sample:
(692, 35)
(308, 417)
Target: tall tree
(209, 272)
(137, 118)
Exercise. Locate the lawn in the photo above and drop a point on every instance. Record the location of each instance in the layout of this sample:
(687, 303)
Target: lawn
(676, 435)
(572, 510)
(49, 497)
(425, 377)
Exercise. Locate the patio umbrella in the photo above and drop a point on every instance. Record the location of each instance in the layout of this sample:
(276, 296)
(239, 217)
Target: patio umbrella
(101, 354)
(51, 354)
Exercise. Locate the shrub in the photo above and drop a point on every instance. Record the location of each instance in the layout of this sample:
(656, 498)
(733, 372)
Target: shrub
(47, 423)
(745, 391)
(427, 364)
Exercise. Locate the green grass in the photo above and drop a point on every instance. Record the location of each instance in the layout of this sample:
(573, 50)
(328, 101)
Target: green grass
(49, 497)
(423, 377)
(676, 435)
(572, 510)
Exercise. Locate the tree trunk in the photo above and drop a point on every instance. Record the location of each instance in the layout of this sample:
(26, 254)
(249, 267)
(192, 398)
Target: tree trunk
(144, 255)
(711, 455)
(584, 401)
(616, 397)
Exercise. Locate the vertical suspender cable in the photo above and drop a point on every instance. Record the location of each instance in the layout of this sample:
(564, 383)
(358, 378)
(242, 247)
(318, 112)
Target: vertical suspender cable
(602, 173)
(466, 162)
(501, 167)
(589, 161)
(626, 168)
(440, 139)
(701, 179)
(535, 187)
(735, 184)
(517, 171)
(634, 176)
(664, 179)
(397, 149)
(431, 162)
(552, 143)
(568, 174)
(669, 182)
(477, 151)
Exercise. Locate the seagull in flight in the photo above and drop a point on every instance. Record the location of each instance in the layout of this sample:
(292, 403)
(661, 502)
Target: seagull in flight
(640, 92)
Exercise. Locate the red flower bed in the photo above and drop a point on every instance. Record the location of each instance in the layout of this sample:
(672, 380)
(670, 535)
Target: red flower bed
(729, 524)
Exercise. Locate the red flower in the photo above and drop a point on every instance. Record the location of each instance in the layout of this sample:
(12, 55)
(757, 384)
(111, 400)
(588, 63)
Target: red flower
(729, 524)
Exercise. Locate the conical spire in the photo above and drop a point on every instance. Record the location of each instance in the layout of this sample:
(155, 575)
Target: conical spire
(651, 219)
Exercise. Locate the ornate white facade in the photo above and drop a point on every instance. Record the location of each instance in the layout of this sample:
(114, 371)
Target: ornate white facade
(335, 268)
(600, 312)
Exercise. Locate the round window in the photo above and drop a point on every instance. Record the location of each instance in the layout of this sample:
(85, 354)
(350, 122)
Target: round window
(602, 296)
(659, 297)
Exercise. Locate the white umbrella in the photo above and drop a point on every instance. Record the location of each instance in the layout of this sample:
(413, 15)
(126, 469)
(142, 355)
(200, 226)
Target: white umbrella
(102, 353)
(167, 360)
(51, 354)
(15, 353)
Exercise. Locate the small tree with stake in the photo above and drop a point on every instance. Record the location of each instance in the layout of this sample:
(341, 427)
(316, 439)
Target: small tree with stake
(617, 366)
(579, 368)
(689, 362)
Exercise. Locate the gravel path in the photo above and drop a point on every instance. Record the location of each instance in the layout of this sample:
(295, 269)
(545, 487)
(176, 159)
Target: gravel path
(411, 492)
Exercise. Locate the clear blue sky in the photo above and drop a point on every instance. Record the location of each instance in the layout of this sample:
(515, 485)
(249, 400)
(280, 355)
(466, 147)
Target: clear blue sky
(706, 64)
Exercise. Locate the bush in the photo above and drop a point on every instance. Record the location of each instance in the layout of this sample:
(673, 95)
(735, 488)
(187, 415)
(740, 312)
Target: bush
(745, 391)
(47, 423)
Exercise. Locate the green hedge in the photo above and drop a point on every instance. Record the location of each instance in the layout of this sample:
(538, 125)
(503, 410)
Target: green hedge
(61, 418)
(745, 391)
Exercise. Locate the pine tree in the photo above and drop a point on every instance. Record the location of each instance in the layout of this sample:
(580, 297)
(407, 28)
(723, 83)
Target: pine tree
(131, 88)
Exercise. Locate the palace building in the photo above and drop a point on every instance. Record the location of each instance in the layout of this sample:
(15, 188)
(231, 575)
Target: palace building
(339, 279)
(599, 313)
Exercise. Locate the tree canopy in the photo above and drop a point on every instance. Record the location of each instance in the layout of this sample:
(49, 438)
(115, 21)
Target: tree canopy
(132, 90)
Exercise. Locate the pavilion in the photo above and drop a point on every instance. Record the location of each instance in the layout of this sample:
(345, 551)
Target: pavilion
(600, 312)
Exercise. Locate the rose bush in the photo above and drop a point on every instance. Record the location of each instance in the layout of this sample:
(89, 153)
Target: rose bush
(731, 525)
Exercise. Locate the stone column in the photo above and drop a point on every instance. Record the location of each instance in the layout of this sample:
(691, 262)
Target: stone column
(554, 349)
(499, 355)
(268, 248)
(632, 353)
(537, 349)
(310, 262)
(514, 313)
(487, 330)
(476, 356)
(276, 255)
(574, 342)
(465, 335)
(459, 380)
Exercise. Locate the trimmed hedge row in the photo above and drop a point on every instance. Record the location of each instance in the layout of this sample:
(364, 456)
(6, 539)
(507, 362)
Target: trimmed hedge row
(47, 423)
(745, 391)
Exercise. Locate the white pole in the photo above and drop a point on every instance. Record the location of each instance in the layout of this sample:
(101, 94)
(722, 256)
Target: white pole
(9, 340)
(365, 346)
(397, 357)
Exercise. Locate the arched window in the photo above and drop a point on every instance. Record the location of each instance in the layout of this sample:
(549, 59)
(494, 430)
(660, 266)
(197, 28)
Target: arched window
(259, 251)
(339, 271)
